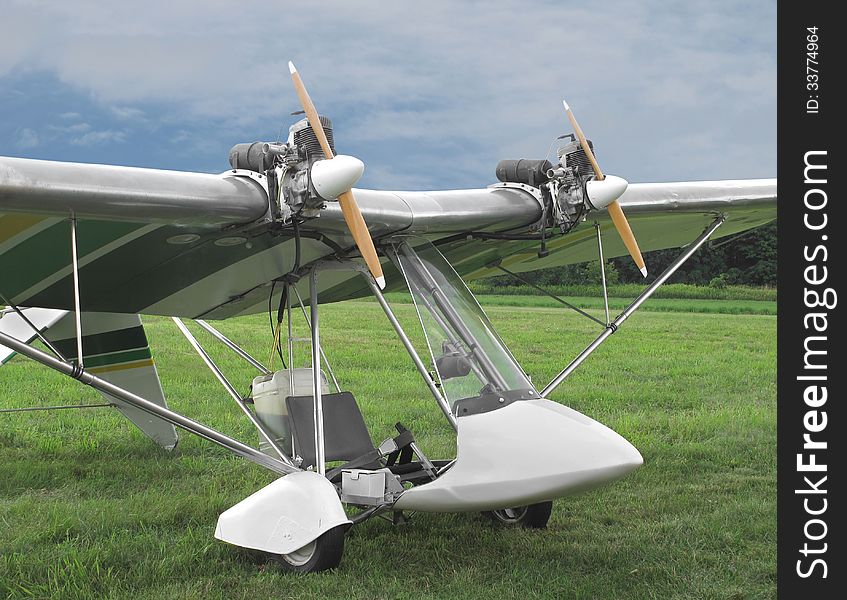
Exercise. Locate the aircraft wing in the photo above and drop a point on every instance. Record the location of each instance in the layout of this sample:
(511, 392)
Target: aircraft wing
(662, 215)
(202, 245)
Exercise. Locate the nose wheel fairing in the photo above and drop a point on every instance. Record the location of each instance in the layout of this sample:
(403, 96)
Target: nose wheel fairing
(284, 516)
(523, 453)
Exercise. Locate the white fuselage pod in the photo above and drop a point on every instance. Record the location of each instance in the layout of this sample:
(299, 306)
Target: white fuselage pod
(527, 452)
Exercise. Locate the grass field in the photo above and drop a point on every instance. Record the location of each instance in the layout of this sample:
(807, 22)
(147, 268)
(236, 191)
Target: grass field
(698, 305)
(90, 509)
(630, 290)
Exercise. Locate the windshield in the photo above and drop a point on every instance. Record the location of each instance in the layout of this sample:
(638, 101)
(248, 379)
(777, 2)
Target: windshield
(468, 356)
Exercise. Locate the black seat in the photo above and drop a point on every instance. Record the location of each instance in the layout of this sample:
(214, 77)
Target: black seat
(345, 435)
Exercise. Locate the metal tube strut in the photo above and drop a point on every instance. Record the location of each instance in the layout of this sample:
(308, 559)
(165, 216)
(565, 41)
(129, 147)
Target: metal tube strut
(231, 390)
(320, 467)
(32, 326)
(407, 343)
(553, 296)
(602, 272)
(383, 303)
(443, 302)
(613, 326)
(323, 355)
(61, 407)
(233, 346)
(77, 311)
(101, 385)
(457, 343)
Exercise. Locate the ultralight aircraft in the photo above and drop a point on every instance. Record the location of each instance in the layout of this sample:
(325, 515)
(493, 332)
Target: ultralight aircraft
(85, 249)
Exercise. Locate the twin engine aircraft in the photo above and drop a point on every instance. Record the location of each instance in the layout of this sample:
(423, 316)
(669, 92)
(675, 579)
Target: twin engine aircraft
(85, 249)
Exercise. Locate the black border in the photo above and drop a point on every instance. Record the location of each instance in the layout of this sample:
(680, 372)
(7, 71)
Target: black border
(798, 133)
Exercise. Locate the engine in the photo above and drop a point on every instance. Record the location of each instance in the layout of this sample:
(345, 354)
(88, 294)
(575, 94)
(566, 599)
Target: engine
(287, 166)
(562, 187)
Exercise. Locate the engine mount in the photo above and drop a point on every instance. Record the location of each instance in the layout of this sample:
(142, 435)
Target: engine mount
(562, 187)
(288, 168)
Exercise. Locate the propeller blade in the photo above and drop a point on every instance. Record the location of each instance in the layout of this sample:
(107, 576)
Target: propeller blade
(352, 215)
(624, 230)
(614, 208)
(361, 235)
(310, 110)
(598, 174)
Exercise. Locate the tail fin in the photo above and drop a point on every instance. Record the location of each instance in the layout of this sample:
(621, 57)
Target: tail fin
(114, 347)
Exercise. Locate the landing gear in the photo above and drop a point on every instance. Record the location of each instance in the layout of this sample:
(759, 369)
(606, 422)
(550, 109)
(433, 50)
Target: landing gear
(533, 516)
(320, 555)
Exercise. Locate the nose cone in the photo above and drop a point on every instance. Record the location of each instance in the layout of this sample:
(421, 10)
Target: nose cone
(337, 175)
(602, 193)
(526, 452)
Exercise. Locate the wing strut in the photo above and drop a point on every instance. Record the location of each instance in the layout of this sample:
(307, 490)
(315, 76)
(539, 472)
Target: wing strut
(602, 271)
(77, 308)
(263, 431)
(561, 301)
(613, 326)
(36, 330)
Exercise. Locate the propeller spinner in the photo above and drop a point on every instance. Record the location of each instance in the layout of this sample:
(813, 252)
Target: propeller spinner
(604, 191)
(334, 177)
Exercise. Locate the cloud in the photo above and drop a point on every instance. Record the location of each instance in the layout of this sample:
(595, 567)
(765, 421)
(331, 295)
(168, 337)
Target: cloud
(127, 113)
(76, 128)
(105, 136)
(27, 138)
(78, 134)
(467, 83)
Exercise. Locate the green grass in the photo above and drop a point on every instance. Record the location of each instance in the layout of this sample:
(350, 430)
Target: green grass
(698, 305)
(631, 290)
(90, 509)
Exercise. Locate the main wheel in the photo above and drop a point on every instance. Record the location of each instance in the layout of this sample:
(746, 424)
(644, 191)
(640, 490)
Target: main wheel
(533, 516)
(321, 554)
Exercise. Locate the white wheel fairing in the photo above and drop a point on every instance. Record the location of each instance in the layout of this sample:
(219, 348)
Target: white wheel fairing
(527, 452)
(284, 517)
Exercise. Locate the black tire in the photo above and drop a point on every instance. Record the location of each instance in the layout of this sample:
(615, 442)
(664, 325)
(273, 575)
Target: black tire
(322, 554)
(533, 516)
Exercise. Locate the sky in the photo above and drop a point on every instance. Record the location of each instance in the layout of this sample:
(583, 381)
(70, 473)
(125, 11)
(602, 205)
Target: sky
(430, 95)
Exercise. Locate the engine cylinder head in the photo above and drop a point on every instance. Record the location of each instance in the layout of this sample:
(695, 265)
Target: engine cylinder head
(302, 135)
(572, 155)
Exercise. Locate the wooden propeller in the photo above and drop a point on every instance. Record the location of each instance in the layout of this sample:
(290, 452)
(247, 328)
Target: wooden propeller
(614, 208)
(349, 208)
